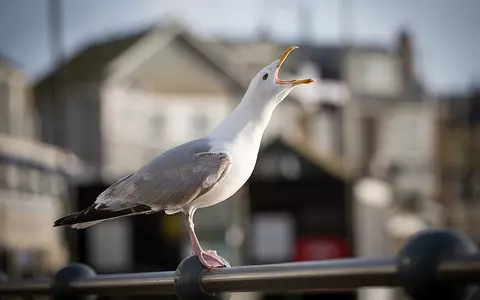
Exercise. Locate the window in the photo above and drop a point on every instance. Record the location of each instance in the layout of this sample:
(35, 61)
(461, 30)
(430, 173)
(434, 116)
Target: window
(33, 181)
(62, 186)
(56, 185)
(324, 129)
(4, 107)
(157, 126)
(45, 188)
(412, 133)
(13, 177)
(375, 73)
(200, 123)
(23, 178)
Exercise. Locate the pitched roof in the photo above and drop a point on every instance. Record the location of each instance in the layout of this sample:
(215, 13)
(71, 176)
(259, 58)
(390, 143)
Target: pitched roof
(90, 63)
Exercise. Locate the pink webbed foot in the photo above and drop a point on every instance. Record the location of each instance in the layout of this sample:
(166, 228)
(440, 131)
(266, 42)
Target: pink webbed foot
(210, 259)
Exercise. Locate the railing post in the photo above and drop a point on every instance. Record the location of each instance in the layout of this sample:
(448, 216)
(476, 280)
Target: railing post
(61, 285)
(187, 281)
(418, 260)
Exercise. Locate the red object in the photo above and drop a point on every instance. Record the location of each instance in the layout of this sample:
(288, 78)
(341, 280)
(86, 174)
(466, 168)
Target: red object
(318, 248)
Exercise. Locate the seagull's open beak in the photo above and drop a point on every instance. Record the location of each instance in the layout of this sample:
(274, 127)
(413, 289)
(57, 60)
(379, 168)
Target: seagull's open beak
(283, 57)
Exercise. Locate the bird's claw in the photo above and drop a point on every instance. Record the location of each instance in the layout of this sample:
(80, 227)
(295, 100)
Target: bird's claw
(210, 259)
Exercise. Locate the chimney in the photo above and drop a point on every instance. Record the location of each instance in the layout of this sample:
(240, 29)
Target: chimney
(405, 53)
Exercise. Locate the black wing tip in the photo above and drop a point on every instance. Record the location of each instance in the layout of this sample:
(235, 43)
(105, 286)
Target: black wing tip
(74, 218)
(68, 220)
(93, 214)
(60, 222)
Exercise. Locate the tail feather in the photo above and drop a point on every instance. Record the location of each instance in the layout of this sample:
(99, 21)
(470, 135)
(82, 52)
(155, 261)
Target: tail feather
(93, 215)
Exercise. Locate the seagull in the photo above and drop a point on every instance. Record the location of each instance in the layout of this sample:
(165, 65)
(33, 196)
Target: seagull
(199, 173)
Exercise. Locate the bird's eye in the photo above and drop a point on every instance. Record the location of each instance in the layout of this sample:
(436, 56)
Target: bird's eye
(265, 76)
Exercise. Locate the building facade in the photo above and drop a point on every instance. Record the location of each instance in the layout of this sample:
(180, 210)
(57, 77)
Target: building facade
(460, 161)
(34, 184)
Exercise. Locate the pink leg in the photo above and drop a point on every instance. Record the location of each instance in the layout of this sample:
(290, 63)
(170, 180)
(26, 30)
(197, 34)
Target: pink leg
(208, 258)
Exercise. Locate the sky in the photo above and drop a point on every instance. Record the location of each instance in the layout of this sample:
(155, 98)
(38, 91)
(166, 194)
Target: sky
(447, 41)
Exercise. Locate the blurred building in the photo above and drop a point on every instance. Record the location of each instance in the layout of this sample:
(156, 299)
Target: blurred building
(382, 120)
(391, 134)
(460, 168)
(120, 102)
(372, 110)
(34, 184)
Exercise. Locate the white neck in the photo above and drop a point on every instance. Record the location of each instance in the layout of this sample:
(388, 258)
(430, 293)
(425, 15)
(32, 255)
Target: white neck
(248, 120)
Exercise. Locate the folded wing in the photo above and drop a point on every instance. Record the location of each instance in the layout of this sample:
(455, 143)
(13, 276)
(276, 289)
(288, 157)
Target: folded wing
(170, 181)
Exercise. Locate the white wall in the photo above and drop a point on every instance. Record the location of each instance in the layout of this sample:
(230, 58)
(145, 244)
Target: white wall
(138, 125)
(407, 135)
(374, 73)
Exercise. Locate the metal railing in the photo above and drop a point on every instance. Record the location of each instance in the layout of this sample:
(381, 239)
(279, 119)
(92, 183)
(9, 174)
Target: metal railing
(436, 264)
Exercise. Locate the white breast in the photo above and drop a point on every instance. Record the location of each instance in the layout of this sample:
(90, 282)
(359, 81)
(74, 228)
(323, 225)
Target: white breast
(244, 156)
(240, 135)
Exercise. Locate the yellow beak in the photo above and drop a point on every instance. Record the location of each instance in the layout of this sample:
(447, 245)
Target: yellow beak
(283, 57)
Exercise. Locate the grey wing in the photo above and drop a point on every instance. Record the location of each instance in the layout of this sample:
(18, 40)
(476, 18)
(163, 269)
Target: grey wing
(172, 179)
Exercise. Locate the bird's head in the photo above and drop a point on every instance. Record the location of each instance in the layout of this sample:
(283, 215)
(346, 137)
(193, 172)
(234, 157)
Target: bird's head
(267, 85)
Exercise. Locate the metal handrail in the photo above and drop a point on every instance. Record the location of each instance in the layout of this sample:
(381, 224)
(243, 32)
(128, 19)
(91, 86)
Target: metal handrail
(431, 265)
(344, 274)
